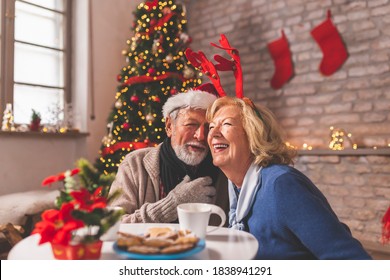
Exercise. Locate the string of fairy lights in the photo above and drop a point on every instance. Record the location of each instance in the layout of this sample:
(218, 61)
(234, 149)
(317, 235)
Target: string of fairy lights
(338, 139)
(156, 69)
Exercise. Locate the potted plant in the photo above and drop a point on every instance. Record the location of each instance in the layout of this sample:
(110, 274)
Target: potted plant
(35, 121)
(81, 216)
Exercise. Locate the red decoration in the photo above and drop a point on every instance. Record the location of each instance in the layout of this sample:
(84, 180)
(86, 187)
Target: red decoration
(125, 145)
(173, 91)
(281, 55)
(119, 78)
(332, 46)
(68, 252)
(150, 4)
(386, 227)
(230, 65)
(35, 125)
(134, 99)
(147, 141)
(58, 177)
(152, 71)
(208, 87)
(153, 22)
(88, 251)
(146, 79)
(156, 99)
(141, 60)
(200, 61)
(126, 126)
(166, 10)
(57, 225)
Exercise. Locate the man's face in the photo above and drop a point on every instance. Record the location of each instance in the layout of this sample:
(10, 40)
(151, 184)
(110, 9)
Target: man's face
(188, 133)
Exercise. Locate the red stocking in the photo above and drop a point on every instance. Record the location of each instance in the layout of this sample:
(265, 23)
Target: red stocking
(332, 47)
(281, 55)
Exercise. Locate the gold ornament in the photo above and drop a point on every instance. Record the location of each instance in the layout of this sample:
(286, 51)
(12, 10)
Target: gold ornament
(169, 58)
(188, 73)
(107, 139)
(149, 118)
(8, 119)
(147, 90)
(155, 45)
(118, 104)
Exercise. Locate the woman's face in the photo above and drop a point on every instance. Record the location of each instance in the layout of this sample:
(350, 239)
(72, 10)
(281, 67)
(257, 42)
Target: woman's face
(228, 141)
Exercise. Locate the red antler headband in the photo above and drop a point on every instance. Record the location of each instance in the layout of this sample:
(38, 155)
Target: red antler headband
(200, 61)
(230, 65)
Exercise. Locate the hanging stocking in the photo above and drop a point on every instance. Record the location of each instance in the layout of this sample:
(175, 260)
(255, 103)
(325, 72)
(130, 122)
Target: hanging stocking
(281, 56)
(332, 46)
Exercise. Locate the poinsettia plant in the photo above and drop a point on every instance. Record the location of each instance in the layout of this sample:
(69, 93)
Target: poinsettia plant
(82, 214)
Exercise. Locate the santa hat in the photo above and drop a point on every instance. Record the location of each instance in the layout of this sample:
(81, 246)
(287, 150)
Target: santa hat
(193, 98)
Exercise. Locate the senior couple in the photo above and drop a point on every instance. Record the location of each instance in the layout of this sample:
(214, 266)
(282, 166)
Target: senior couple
(263, 193)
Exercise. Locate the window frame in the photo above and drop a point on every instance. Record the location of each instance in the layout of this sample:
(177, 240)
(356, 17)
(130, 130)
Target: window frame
(8, 46)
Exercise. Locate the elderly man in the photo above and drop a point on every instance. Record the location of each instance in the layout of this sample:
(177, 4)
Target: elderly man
(153, 181)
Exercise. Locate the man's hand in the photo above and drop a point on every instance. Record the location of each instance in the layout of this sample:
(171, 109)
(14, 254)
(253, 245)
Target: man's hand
(198, 190)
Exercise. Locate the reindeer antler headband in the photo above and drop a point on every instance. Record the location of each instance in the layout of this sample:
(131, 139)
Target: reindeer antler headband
(200, 61)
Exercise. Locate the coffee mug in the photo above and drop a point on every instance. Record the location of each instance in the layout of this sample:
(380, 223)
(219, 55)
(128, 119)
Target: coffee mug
(195, 217)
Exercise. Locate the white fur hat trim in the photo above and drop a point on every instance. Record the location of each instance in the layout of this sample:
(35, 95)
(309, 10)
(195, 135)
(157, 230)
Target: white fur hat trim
(195, 99)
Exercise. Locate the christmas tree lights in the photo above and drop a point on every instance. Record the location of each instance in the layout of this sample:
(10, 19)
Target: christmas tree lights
(157, 69)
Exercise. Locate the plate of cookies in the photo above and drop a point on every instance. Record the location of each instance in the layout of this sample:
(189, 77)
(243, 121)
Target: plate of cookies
(158, 243)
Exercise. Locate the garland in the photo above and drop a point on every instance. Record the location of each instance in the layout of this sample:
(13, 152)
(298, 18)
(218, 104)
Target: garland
(125, 145)
(147, 79)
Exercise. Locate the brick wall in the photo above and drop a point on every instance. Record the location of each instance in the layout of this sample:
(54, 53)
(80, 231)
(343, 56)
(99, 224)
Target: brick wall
(355, 98)
(357, 187)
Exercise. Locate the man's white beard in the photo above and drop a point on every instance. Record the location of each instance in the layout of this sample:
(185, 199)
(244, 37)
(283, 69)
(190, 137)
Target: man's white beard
(188, 157)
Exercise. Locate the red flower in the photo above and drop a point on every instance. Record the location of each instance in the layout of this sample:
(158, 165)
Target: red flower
(57, 225)
(87, 201)
(386, 227)
(58, 177)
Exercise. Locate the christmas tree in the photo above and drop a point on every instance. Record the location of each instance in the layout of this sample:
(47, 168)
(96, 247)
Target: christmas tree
(156, 69)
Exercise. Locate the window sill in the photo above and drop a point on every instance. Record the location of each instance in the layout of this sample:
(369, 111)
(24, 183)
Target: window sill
(346, 152)
(38, 134)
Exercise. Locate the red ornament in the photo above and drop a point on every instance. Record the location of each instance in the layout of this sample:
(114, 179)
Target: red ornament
(173, 91)
(167, 10)
(152, 71)
(156, 99)
(141, 60)
(147, 141)
(153, 22)
(134, 99)
(126, 126)
(119, 78)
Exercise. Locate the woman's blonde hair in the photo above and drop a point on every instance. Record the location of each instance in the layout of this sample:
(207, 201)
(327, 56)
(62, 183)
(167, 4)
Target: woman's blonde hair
(263, 132)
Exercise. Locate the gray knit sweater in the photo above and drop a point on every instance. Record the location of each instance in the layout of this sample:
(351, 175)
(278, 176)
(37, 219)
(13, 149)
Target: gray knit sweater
(138, 179)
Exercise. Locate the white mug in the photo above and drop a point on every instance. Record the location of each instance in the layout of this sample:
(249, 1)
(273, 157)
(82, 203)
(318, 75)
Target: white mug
(195, 217)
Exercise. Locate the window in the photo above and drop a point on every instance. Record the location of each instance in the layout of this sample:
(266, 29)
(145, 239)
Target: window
(35, 58)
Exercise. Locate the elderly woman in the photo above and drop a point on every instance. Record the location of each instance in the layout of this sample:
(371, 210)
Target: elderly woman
(281, 207)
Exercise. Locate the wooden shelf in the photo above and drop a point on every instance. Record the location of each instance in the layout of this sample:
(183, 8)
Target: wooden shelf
(30, 134)
(346, 152)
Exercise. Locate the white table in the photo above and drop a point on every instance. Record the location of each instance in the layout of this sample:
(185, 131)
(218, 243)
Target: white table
(221, 244)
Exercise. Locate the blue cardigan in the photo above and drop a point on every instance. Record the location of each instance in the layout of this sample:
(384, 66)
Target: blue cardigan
(292, 219)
